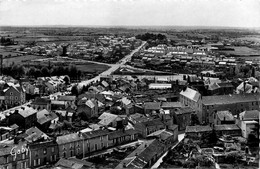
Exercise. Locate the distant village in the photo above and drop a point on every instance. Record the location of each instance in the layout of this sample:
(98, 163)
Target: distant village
(203, 111)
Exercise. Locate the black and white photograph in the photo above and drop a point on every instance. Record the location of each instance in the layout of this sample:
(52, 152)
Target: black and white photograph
(114, 84)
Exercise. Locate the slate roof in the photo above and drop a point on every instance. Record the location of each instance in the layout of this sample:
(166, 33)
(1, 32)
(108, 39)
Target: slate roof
(68, 138)
(44, 116)
(230, 99)
(225, 115)
(107, 118)
(26, 111)
(191, 94)
(66, 98)
(96, 133)
(197, 129)
(41, 101)
(184, 110)
(171, 105)
(250, 115)
(119, 133)
(152, 106)
(226, 127)
(154, 122)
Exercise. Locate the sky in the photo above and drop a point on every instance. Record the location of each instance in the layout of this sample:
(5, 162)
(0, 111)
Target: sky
(228, 13)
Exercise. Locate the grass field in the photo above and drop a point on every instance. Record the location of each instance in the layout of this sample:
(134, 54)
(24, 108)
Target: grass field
(92, 68)
(20, 60)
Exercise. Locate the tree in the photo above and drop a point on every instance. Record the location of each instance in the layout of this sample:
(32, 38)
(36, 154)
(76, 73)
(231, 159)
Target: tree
(45, 72)
(74, 90)
(31, 72)
(194, 120)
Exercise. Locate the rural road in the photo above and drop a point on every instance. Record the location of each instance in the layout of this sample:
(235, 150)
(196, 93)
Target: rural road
(113, 67)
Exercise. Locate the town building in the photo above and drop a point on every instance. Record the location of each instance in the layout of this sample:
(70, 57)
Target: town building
(192, 98)
(236, 104)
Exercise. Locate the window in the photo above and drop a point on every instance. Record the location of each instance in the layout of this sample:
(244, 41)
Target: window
(11, 97)
(64, 154)
(16, 98)
(101, 138)
(71, 153)
(96, 147)
(54, 157)
(36, 153)
(23, 165)
(52, 149)
(5, 167)
(78, 151)
(102, 145)
(6, 159)
(51, 158)
(39, 161)
(11, 93)
(34, 162)
(45, 151)
(23, 156)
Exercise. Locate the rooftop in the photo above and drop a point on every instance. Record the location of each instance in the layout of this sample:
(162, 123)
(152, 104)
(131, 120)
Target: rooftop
(68, 138)
(191, 94)
(197, 129)
(230, 99)
(226, 127)
(225, 116)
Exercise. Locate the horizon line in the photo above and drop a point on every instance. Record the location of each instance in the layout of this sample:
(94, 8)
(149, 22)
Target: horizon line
(125, 26)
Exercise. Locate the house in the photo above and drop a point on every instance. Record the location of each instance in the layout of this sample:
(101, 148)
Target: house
(148, 127)
(70, 145)
(152, 107)
(34, 134)
(182, 117)
(109, 119)
(137, 118)
(212, 89)
(43, 153)
(120, 137)
(144, 156)
(192, 98)
(227, 129)
(95, 140)
(196, 132)
(171, 105)
(248, 121)
(45, 119)
(225, 88)
(88, 107)
(235, 103)
(41, 103)
(73, 163)
(14, 155)
(25, 117)
(70, 100)
(168, 137)
(14, 95)
(223, 117)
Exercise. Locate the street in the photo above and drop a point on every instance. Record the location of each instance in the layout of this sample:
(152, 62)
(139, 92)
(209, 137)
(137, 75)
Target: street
(113, 68)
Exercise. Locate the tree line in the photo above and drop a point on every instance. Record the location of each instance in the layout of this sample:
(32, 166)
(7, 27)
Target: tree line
(19, 71)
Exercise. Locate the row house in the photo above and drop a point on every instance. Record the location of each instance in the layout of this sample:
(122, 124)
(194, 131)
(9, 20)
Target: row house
(14, 156)
(236, 104)
(70, 145)
(43, 153)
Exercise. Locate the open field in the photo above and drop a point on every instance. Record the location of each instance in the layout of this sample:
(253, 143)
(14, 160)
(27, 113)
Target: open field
(242, 51)
(92, 68)
(20, 59)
